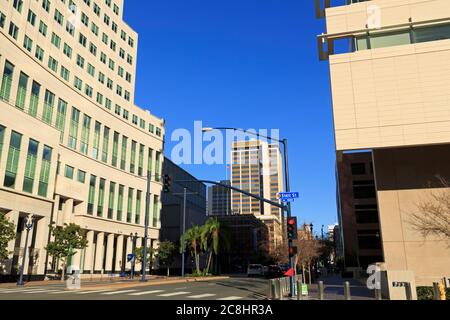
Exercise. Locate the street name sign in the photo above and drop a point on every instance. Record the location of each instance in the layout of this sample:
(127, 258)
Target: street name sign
(288, 195)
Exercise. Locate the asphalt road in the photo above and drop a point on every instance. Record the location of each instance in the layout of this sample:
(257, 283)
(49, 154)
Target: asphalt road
(229, 289)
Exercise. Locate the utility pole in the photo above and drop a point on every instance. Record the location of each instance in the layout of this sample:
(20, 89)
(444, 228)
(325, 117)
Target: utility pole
(147, 214)
(184, 229)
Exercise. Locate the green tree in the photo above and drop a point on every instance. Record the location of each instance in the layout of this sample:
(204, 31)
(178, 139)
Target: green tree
(213, 237)
(139, 252)
(7, 233)
(192, 241)
(67, 239)
(166, 254)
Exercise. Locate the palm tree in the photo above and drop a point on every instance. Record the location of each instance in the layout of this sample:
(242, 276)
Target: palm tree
(213, 236)
(192, 241)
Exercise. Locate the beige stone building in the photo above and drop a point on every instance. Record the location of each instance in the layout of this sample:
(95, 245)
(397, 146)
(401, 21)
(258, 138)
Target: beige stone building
(257, 168)
(73, 146)
(390, 79)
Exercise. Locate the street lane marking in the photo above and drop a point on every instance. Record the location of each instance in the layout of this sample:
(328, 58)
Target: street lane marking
(173, 294)
(200, 296)
(38, 291)
(230, 298)
(118, 292)
(94, 291)
(145, 292)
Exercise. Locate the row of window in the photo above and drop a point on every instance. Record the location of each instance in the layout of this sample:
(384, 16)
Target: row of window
(80, 61)
(33, 151)
(102, 134)
(116, 198)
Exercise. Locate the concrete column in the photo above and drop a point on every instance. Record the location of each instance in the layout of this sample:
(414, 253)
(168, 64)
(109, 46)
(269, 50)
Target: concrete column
(129, 250)
(89, 254)
(109, 253)
(119, 253)
(55, 209)
(12, 216)
(99, 252)
(42, 231)
(67, 211)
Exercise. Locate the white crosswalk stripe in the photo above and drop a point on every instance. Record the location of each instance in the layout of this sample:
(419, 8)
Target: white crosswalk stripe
(39, 291)
(200, 296)
(92, 291)
(230, 298)
(118, 292)
(173, 294)
(145, 292)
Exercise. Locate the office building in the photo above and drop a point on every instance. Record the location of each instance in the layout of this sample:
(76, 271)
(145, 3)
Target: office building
(219, 200)
(172, 213)
(73, 146)
(257, 168)
(389, 66)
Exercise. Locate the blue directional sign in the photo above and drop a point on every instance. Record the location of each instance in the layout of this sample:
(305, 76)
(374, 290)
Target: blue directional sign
(289, 195)
(287, 200)
(130, 257)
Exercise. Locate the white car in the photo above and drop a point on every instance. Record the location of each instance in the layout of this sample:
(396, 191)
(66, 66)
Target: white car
(255, 270)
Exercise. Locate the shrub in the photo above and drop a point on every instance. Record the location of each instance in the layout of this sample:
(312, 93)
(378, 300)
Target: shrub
(426, 293)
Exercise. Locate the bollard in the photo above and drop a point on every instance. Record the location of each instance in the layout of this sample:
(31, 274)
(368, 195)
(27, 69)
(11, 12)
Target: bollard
(436, 295)
(299, 289)
(321, 291)
(408, 291)
(347, 294)
(281, 289)
(378, 295)
(272, 293)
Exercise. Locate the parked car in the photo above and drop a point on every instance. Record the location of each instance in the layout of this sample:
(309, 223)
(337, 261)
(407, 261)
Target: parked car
(274, 272)
(255, 270)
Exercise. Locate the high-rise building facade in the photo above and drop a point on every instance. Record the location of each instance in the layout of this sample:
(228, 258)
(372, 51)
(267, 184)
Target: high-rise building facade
(390, 75)
(257, 168)
(73, 146)
(219, 200)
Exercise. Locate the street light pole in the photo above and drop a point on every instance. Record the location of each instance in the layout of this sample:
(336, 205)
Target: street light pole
(133, 247)
(184, 230)
(147, 213)
(28, 226)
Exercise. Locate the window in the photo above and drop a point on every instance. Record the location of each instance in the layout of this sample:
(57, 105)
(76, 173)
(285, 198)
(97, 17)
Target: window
(158, 167)
(27, 43)
(80, 61)
(133, 156)
(155, 211)
(59, 17)
(22, 91)
(56, 40)
(150, 162)
(65, 74)
(105, 144)
(46, 5)
(141, 160)
(13, 160)
(2, 138)
(130, 204)
(34, 98)
(137, 217)
(82, 40)
(69, 172)
(45, 171)
(13, 30)
(17, 4)
(101, 197)
(91, 196)
(95, 150)
(5, 90)
(73, 130)
(369, 239)
(120, 202)
(85, 131)
(42, 28)
(61, 118)
(2, 20)
(364, 189)
(81, 177)
(67, 50)
(123, 155)
(115, 152)
(52, 64)
(78, 83)
(367, 213)
(112, 193)
(91, 69)
(31, 18)
(30, 167)
(49, 101)
(39, 53)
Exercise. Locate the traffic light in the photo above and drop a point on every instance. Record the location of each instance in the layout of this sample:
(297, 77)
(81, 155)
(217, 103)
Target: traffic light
(292, 251)
(167, 183)
(292, 228)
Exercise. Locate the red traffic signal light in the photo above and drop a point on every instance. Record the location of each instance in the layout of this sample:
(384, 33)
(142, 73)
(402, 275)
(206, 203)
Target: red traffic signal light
(292, 251)
(292, 228)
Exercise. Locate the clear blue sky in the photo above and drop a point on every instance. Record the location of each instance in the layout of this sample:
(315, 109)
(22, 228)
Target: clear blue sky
(212, 60)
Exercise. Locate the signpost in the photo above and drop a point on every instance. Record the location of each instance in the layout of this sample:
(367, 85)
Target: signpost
(131, 257)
